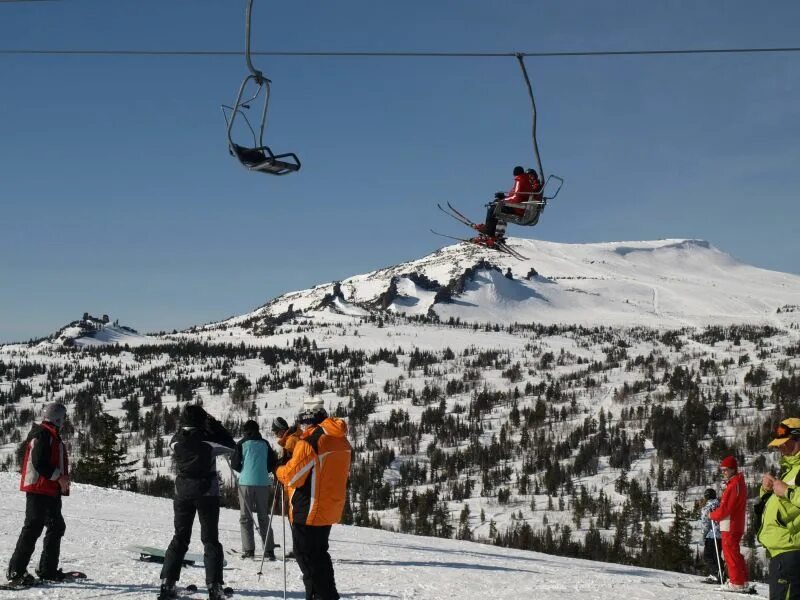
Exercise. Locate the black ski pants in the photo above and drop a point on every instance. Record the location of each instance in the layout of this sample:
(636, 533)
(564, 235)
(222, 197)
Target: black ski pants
(207, 509)
(784, 576)
(40, 511)
(311, 553)
(710, 556)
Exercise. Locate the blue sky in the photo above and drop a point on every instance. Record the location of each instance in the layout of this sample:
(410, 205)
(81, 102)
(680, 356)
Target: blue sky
(117, 194)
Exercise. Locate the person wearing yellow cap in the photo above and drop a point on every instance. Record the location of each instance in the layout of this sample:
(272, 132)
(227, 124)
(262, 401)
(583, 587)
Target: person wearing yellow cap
(779, 514)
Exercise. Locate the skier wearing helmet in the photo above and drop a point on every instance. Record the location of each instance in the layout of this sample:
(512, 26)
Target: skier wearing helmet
(317, 490)
(45, 479)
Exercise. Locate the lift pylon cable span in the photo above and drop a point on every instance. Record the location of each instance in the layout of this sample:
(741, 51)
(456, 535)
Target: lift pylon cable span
(257, 157)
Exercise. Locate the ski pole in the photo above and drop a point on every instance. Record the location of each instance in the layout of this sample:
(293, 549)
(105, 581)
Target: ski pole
(283, 520)
(269, 528)
(716, 550)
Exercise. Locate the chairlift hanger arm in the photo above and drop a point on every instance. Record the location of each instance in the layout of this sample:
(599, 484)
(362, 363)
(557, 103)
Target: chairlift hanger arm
(521, 59)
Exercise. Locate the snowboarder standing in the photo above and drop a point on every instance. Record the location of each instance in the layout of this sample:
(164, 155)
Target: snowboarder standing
(255, 460)
(45, 479)
(200, 439)
(731, 515)
(712, 550)
(317, 490)
(779, 509)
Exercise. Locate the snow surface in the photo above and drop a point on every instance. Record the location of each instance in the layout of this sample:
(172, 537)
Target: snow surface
(663, 283)
(369, 563)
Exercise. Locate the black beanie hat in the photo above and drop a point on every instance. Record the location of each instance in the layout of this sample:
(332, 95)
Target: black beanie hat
(279, 424)
(193, 416)
(710, 494)
(250, 426)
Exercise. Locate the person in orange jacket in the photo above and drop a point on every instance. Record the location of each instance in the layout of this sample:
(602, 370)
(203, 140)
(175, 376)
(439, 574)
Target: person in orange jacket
(316, 480)
(731, 517)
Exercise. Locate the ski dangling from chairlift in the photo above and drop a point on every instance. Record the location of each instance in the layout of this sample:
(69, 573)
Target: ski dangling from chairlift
(526, 201)
(258, 156)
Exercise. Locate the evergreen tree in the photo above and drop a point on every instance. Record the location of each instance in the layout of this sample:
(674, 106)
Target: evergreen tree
(104, 464)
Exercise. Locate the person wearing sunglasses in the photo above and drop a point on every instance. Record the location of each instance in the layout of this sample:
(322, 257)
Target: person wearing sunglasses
(779, 512)
(731, 517)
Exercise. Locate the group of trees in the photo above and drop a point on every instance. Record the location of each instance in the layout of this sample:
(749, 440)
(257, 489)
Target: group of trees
(572, 439)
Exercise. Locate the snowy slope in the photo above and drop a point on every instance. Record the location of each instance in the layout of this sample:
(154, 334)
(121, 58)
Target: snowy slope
(370, 564)
(94, 332)
(664, 283)
(112, 335)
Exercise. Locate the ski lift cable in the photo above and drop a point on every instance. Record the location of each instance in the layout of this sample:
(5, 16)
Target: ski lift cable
(395, 54)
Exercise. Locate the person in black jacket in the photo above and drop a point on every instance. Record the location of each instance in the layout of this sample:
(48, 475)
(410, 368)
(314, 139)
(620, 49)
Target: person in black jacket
(45, 479)
(195, 447)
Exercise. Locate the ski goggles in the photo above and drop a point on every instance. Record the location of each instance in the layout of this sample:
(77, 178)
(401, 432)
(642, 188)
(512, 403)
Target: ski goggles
(786, 430)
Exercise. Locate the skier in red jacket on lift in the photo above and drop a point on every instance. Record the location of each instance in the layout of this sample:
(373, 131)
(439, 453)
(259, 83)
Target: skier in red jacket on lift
(731, 515)
(526, 187)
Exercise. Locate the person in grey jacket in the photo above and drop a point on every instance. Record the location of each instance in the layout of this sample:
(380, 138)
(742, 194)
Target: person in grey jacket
(255, 460)
(712, 537)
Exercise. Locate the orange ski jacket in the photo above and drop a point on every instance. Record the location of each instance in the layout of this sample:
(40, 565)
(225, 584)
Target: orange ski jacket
(316, 475)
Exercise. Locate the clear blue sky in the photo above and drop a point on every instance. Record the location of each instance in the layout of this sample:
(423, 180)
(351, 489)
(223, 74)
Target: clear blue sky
(117, 194)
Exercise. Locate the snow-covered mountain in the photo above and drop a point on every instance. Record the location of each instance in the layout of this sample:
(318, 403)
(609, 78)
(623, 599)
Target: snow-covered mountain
(497, 427)
(92, 331)
(665, 283)
(370, 564)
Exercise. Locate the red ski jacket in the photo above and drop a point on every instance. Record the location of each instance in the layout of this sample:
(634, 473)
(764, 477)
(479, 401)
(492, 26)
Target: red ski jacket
(522, 191)
(733, 506)
(44, 462)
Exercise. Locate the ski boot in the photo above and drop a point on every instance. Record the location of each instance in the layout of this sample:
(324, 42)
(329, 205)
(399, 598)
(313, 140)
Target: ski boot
(57, 575)
(246, 555)
(167, 591)
(216, 591)
(744, 588)
(271, 556)
(21, 580)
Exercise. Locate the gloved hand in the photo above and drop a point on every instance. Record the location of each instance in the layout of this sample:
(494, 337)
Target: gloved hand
(63, 483)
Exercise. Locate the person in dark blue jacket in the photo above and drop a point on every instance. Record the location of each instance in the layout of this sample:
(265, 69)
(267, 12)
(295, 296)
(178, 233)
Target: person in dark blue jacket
(255, 460)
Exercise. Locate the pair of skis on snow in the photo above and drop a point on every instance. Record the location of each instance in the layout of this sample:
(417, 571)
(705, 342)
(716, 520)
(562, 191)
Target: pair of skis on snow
(751, 591)
(482, 239)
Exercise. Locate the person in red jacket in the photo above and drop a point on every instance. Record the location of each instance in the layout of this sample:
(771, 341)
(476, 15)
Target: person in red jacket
(45, 478)
(730, 516)
(523, 190)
